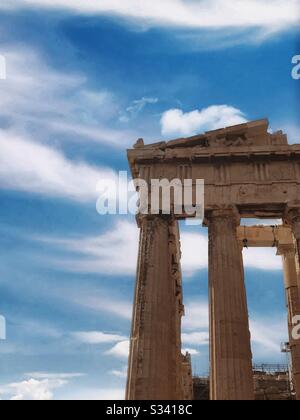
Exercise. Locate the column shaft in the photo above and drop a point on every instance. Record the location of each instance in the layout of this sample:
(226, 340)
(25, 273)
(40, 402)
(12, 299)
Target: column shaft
(175, 253)
(292, 217)
(154, 358)
(230, 348)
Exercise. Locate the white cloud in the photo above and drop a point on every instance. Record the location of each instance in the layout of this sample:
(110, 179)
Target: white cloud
(262, 259)
(40, 386)
(35, 390)
(195, 338)
(271, 16)
(196, 316)
(176, 122)
(194, 248)
(32, 389)
(28, 166)
(120, 350)
(192, 352)
(97, 337)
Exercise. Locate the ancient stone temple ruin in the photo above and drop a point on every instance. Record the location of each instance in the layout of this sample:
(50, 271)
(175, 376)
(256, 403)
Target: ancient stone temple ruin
(248, 173)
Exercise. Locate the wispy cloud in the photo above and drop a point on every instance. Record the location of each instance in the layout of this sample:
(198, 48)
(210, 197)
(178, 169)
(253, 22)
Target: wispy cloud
(37, 98)
(36, 327)
(40, 169)
(120, 350)
(41, 109)
(94, 254)
(136, 108)
(102, 302)
(97, 337)
(48, 375)
(177, 122)
(271, 16)
(121, 373)
(267, 335)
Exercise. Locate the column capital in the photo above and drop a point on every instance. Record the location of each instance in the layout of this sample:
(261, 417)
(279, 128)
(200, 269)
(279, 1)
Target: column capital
(286, 250)
(143, 218)
(227, 212)
(291, 215)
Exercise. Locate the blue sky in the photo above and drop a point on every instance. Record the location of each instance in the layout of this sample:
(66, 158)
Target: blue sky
(85, 79)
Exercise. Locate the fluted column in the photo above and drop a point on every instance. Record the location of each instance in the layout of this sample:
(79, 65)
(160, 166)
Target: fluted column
(231, 375)
(154, 358)
(293, 304)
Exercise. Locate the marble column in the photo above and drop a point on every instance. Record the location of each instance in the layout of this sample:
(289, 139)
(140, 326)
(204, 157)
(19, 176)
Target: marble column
(293, 304)
(153, 361)
(175, 254)
(231, 375)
